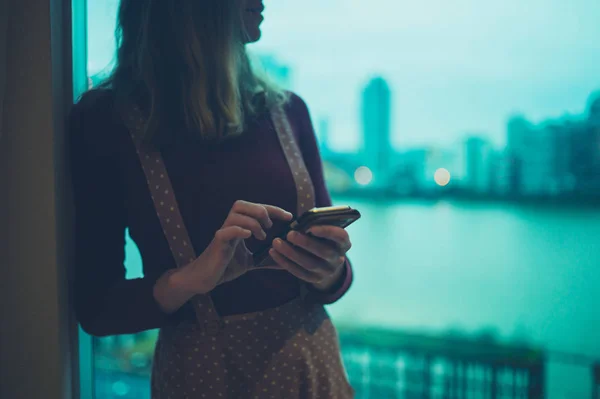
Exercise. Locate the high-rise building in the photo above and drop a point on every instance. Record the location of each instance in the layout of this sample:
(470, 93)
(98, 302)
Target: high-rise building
(500, 172)
(561, 133)
(594, 109)
(477, 165)
(541, 156)
(531, 149)
(585, 151)
(410, 174)
(376, 129)
(594, 140)
(556, 157)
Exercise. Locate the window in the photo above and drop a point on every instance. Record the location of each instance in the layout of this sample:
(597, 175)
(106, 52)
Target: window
(468, 134)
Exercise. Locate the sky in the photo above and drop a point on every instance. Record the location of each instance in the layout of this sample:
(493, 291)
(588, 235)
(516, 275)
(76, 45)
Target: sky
(455, 68)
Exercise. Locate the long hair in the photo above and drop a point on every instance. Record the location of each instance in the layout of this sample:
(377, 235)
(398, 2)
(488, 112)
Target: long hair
(184, 63)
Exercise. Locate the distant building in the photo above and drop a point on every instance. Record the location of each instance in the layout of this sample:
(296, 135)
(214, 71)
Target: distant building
(585, 149)
(560, 134)
(593, 140)
(500, 173)
(376, 129)
(408, 176)
(478, 163)
(556, 157)
(531, 151)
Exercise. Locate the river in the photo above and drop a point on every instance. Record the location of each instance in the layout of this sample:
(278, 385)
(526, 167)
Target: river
(526, 273)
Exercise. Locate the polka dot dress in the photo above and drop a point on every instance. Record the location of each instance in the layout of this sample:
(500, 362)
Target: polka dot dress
(288, 352)
(291, 351)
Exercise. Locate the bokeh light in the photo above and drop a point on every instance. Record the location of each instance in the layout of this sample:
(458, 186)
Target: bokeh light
(363, 176)
(442, 177)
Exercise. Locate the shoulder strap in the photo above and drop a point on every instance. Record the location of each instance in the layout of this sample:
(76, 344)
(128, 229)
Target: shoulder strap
(168, 213)
(305, 192)
(304, 185)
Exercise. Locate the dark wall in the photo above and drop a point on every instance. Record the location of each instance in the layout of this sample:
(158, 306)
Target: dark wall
(36, 327)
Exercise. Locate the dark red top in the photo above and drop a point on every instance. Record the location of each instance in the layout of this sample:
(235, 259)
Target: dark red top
(111, 194)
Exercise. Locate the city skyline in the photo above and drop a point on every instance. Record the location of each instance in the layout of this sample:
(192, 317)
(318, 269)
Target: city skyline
(537, 159)
(552, 158)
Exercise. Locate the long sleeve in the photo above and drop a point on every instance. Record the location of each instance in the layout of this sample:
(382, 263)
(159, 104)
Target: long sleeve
(106, 302)
(312, 158)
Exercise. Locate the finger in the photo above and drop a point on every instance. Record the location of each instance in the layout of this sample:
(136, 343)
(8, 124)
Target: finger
(301, 257)
(333, 233)
(255, 211)
(262, 213)
(278, 213)
(231, 233)
(324, 249)
(246, 222)
(295, 269)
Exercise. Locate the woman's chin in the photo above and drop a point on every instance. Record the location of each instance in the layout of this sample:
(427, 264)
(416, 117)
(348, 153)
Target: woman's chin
(253, 34)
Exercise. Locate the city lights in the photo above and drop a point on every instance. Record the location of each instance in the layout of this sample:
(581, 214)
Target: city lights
(442, 177)
(363, 176)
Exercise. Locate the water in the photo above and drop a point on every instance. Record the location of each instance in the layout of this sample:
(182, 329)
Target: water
(528, 274)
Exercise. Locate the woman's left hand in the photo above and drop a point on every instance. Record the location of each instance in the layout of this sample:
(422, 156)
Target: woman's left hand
(317, 257)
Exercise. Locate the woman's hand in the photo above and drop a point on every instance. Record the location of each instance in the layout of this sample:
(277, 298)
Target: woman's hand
(244, 220)
(317, 257)
(214, 265)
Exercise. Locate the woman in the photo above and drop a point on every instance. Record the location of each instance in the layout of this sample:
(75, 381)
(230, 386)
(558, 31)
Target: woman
(203, 162)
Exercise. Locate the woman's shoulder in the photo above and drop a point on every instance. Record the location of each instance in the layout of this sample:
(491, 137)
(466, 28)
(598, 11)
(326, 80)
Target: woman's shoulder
(295, 105)
(298, 113)
(95, 105)
(95, 123)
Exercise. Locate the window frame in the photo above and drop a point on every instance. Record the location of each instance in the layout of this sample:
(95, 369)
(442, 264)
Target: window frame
(79, 53)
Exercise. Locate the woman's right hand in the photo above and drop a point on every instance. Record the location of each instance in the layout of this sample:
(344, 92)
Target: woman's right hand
(214, 265)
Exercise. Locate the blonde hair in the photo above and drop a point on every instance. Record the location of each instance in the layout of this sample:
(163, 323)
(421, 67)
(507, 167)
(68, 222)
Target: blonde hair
(185, 64)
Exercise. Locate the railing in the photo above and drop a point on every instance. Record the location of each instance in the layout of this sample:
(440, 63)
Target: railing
(389, 364)
(596, 381)
(381, 364)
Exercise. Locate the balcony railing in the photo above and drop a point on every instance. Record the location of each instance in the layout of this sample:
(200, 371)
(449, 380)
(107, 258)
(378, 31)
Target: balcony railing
(381, 364)
(596, 381)
(391, 364)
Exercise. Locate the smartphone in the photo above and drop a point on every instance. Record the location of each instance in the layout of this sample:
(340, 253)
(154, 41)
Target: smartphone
(341, 216)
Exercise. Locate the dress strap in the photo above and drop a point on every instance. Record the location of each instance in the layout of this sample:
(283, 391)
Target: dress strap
(167, 210)
(304, 186)
(305, 191)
